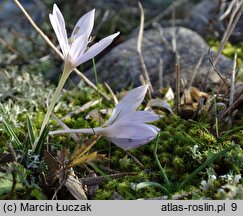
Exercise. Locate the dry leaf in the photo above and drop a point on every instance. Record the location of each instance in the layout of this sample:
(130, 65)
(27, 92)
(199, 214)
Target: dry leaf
(80, 150)
(160, 104)
(82, 108)
(169, 94)
(75, 187)
(197, 94)
(62, 157)
(53, 167)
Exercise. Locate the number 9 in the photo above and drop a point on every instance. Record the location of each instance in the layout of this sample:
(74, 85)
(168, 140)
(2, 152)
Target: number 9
(233, 206)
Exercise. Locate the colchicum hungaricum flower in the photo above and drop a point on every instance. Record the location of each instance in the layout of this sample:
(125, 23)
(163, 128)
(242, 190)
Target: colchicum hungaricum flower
(75, 49)
(126, 127)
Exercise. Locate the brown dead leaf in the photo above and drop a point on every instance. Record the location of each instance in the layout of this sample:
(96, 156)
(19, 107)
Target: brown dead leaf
(196, 94)
(80, 150)
(81, 154)
(62, 157)
(191, 101)
(53, 167)
(61, 167)
(75, 187)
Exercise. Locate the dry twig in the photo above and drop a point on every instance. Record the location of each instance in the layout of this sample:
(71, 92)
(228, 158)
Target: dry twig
(82, 108)
(178, 81)
(232, 88)
(234, 18)
(139, 50)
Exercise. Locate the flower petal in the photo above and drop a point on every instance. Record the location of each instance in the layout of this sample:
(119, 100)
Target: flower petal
(129, 103)
(58, 24)
(155, 128)
(84, 25)
(139, 116)
(129, 136)
(97, 48)
(78, 48)
(127, 144)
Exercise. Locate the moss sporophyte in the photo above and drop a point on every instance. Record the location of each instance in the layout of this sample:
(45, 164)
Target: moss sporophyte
(75, 50)
(126, 127)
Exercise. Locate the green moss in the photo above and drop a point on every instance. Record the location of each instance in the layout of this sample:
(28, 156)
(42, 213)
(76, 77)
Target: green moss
(183, 145)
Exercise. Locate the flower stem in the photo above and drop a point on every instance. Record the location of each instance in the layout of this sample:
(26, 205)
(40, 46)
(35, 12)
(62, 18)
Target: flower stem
(82, 131)
(65, 75)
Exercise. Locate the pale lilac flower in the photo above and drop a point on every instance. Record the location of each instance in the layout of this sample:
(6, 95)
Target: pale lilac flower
(75, 49)
(126, 127)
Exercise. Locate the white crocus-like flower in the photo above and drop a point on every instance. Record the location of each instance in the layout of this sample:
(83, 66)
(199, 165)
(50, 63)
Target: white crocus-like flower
(75, 49)
(126, 127)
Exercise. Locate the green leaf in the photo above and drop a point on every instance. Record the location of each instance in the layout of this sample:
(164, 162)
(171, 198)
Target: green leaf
(2, 111)
(165, 177)
(6, 182)
(206, 163)
(37, 193)
(142, 185)
(30, 131)
(9, 130)
(39, 146)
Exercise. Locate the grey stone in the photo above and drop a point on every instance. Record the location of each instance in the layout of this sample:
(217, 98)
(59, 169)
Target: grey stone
(121, 66)
(12, 16)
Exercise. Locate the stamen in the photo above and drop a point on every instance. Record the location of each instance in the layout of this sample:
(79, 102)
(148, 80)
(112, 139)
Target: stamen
(91, 39)
(70, 41)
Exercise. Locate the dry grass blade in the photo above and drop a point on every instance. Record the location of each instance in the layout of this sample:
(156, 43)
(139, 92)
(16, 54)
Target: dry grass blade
(139, 49)
(41, 33)
(135, 159)
(82, 108)
(160, 73)
(140, 34)
(227, 12)
(74, 136)
(219, 74)
(112, 93)
(195, 71)
(234, 18)
(232, 86)
(9, 47)
(142, 80)
(178, 87)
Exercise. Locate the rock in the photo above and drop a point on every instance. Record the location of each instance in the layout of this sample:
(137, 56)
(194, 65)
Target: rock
(122, 67)
(12, 16)
(204, 19)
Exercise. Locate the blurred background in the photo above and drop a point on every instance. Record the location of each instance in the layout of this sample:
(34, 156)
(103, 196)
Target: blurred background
(20, 45)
